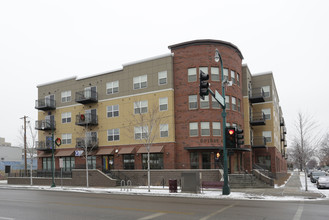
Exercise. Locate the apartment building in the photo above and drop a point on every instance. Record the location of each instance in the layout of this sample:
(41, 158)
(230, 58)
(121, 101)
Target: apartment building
(264, 125)
(115, 117)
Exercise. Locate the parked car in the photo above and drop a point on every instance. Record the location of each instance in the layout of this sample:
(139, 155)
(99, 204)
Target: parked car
(323, 182)
(315, 175)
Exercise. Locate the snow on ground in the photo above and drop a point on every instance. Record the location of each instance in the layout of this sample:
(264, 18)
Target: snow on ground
(312, 186)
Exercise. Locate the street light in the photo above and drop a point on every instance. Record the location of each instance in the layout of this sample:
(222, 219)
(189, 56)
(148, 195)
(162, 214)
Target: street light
(226, 187)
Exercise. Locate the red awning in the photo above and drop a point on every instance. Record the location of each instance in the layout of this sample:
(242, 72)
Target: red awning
(153, 149)
(64, 152)
(105, 151)
(126, 150)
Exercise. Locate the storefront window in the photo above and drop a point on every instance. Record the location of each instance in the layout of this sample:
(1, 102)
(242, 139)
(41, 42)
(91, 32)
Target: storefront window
(156, 161)
(194, 160)
(128, 161)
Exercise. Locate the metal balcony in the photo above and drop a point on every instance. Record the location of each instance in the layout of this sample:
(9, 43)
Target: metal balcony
(45, 104)
(283, 137)
(256, 95)
(45, 125)
(284, 130)
(86, 119)
(257, 118)
(90, 142)
(258, 142)
(86, 97)
(282, 121)
(44, 145)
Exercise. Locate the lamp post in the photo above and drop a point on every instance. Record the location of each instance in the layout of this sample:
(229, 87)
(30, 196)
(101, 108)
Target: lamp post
(52, 153)
(226, 187)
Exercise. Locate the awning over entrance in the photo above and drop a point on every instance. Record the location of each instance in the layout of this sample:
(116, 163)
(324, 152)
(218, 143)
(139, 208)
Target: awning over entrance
(65, 153)
(126, 150)
(153, 149)
(105, 151)
(45, 154)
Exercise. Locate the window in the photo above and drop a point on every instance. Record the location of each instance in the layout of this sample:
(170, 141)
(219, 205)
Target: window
(140, 107)
(112, 111)
(267, 113)
(238, 79)
(66, 139)
(266, 90)
(234, 103)
(156, 161)
(128, 161)
(69, 163)
(66, 117)
(163, 102)
(214, 73)
(194, 131)
(268, 136)
(204, 103)
(239, 105)
(205, 129)
(193, 102)
(46, 163)
(214, 103)
(191, 72)
(113, 134)
(225, 73)
(162, 77)
(227, 102)
(141, 132)
(92, 162)
(140, 82)
(216, 129)
(164, 130)
(112, 87)
(233, 77)
(194, 160)
(66, 96)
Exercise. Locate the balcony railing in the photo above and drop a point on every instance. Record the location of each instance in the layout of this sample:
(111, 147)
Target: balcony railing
(282, 121)
(86, 96)
(45, 104)
(283, 137)
(258, 142)
(90, 142)
(87, 119)
(256, 95)
(284, 130)
(257, 118)
(44, 145)
(45, 125)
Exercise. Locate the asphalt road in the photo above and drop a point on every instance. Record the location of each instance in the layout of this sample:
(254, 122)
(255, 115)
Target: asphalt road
(36, 204)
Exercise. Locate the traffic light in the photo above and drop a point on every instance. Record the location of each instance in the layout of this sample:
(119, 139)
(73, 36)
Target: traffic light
(239, 137)
(204, 85)
(230, 137)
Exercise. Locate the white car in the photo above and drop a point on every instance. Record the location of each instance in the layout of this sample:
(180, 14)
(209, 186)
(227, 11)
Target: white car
(323, 182)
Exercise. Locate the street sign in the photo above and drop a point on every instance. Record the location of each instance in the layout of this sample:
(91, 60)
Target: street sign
(61, 164)
(219, 98)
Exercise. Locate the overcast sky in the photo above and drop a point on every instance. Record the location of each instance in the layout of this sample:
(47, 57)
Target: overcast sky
(43, 41)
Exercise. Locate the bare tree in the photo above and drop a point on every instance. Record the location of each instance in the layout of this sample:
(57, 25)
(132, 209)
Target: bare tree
(146, 126)
(305, 142)
(324, 150)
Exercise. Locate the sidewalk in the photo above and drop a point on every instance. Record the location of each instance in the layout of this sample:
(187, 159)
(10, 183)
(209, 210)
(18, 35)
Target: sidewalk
(290, 191)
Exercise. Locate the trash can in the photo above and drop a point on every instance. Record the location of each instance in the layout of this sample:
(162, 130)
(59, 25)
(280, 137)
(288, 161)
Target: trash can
(173, 186)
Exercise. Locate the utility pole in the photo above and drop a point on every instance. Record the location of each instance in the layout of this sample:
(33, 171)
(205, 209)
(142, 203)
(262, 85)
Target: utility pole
(25, 161)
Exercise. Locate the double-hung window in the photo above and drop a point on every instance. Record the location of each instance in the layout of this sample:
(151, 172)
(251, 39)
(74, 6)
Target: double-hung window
(66, 139)
(194, 131)
(227, 102)
(112, 111)
(266, 90)
(141, 132)
(204, 103)
(66, 117)
(163, 103)
(234, 103)
(113, 134)
(162, 77)
(164, 130)
(140, 82)
(268, 136)
(216, 129)
(112, 87)
(191, 72)
(233, 77)
(214, 74)
(225, 73)
(193, 102)
(205, 129)
(66, 96)
(267, 113)
(140, 107)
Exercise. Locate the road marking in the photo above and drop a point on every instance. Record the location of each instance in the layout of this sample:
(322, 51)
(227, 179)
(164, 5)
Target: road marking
(4, 218)
(299, 212)
(151, 216)
(217, 212)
